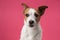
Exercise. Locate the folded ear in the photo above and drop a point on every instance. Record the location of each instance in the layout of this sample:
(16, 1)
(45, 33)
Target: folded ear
(41, 9)
(24, 5)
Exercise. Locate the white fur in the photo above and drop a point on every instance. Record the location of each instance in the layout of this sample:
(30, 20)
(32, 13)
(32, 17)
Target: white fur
(31, 33)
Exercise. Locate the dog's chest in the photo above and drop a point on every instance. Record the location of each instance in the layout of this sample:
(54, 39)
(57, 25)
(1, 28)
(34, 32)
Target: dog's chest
(30, 33)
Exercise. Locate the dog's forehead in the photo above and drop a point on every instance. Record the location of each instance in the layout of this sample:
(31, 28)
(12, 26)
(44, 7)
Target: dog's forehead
(30, 11)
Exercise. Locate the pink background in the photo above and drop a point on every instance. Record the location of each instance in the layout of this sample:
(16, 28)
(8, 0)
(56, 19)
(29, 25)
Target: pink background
(11, 18)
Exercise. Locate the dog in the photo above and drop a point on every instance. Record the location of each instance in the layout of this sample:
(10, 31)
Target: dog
(32, 29)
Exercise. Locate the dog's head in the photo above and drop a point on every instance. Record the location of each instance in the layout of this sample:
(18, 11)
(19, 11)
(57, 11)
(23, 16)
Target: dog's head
(32, 16)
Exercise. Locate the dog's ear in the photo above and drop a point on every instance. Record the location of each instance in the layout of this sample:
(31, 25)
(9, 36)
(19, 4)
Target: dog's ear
(24, 5)
(41, 10)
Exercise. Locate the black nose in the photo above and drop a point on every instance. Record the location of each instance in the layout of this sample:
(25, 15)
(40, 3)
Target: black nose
(31, 22)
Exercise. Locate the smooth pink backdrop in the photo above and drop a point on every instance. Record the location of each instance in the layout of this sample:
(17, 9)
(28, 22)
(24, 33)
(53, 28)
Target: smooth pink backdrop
(11, 18)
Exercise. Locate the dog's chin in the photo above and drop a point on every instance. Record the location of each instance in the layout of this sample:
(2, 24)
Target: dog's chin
(31, 25)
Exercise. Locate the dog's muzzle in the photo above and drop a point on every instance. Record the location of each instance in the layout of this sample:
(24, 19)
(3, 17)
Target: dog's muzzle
(31, 22)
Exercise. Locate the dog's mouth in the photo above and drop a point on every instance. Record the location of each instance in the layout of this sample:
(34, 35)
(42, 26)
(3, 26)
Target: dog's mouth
(31, 25)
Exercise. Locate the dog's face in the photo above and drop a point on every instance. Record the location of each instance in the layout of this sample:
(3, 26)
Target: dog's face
(32, 16)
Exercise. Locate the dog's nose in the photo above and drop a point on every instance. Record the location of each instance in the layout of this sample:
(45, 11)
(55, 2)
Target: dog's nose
(31, 22)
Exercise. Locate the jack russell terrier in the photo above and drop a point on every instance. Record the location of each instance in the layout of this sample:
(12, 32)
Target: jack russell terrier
(31, 29)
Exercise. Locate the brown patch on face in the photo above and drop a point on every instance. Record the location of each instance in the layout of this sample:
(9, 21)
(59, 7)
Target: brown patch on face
(37, 19)
(38, 16)
(26, 12)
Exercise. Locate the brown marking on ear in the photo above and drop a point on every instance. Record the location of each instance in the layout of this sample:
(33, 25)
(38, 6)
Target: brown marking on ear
(41, 10)
(25, 6)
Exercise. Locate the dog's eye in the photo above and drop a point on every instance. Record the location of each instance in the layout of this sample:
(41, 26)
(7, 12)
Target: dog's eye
(27, 15)
(36, 15)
